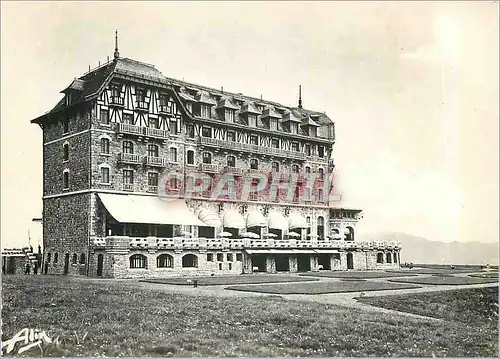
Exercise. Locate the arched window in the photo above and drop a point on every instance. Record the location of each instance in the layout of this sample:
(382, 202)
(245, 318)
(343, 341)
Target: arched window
(165, 261)
(65, 152)
(308, 169)
(308, 221)
(190, 157)
(395, 257)
(152, 150)
(48, 257)
(320, 228)
(380, 257)
(231, 161)
(295, 168)
(207, 158)
(128, 147)
(190, 261)
(254, 164)
(56, 257)
(349, 234)
(138, 261)
(82, 258)
(75, 258)
(388, 258)
(105, 145)
(275, 166)
(321, 173)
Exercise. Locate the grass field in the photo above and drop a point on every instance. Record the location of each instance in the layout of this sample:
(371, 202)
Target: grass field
(121, 320)
(449, 305)
(321, 287)
(485, 275)
(434, 271)
(354, 275)
(225, 280)
(444, 280)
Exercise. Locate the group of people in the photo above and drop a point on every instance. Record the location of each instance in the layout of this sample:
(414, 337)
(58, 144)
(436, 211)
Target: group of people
(28, 268)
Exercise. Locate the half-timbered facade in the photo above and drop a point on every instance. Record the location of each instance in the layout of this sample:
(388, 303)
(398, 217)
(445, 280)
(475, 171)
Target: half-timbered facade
(148, 176)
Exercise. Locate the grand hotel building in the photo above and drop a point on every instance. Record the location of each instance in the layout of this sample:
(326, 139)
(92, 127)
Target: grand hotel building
(148, 176)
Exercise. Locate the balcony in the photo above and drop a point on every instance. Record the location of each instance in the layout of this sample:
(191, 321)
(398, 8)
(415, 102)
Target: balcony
(155, 161)
(128, 187)
(130, 158)
(246, 147)
(164, 109)
(141, 106)
(152, 189)
(209, 168)
(237, 171)
(156, 133)
(130, 129)
(116, 101)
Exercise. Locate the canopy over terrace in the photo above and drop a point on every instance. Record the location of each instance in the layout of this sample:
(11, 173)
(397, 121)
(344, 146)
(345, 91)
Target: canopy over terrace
(150, 210)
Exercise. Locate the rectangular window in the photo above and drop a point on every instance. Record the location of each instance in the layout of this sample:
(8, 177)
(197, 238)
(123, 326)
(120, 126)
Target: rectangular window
(205, 110)
(190, 130)
(210, 257)
(65, 152)
(152, 179)
(320, 195)
(152, 150)
(104, 145)
(254, 140)
(308, 150)
(104, 175)
(173, 154)
(66, 125)
(128, 176)
(239, 257)
(207, 158)
(231, 136)
(128, 147)
(229, 115)
(140, 95)
(173, 126)
(220, 257)
(105, 117)
(230, 266)
(273, 124)
(229, 257)
(128, 119)
(313, 132)
(295, 146)
(65, 180)
(275, 143)
(252, 120)
(321, 151)
(206, 132)
(294, 127)
(190, 157)
(153, 123)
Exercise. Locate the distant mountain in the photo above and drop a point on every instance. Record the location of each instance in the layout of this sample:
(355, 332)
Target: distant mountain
(421, 250)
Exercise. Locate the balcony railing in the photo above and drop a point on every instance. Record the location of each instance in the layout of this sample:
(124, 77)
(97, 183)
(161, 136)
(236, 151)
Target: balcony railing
(209, 168)
(128, 158)
(155, 161)
(141, 105)
(164, 109)
(233, 243)
(238, 146)
(116, 101)
(156, 133)
(128, 187)
(152, 189)
(130, 129)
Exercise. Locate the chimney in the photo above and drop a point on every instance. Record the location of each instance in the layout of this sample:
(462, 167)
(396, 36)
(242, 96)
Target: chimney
(300, 96)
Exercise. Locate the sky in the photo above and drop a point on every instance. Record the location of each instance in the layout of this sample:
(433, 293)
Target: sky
(411, 86)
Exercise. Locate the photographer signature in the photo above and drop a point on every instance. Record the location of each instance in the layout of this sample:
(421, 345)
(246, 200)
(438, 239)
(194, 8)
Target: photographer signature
(29, 338)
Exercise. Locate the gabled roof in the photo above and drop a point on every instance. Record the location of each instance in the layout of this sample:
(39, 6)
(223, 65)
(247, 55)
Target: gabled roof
(186, 97)
(77, 85)
(310, 122)
(248, 107)
(202, 97)
(269, 112)
(289, 116)
(225, 103)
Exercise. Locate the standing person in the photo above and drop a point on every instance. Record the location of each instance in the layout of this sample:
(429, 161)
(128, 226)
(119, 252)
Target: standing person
(35, 269)
(27, 268)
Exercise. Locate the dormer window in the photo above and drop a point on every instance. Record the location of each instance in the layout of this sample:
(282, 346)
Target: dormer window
(273, 124)
(204, 110)
(229, 115)
(294, 128)
(313, 132)
(252, 120)
(115, 90)
(140, 95)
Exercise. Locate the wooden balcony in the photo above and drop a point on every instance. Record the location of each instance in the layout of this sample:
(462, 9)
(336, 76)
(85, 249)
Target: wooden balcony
(155, 161)
(209, 168)
(129, 129)
(141, 106)
(116, 101)
(156, 133)
(164, 109)
(130, 158)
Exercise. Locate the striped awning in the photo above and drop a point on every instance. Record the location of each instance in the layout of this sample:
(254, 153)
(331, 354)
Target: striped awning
(277, 221)
(295, 220)
(256, 219)
(232, 219)
(210, 218)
